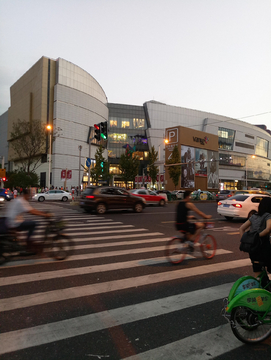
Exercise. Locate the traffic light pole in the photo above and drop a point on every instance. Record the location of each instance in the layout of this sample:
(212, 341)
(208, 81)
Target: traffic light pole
(89, 155)
(3, 166)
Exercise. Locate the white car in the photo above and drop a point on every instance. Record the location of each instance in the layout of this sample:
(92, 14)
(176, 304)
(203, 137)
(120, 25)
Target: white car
(53, 195)
(241, 205)
(179, 193)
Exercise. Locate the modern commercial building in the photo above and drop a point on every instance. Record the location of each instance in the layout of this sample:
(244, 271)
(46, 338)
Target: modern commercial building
(61, 94)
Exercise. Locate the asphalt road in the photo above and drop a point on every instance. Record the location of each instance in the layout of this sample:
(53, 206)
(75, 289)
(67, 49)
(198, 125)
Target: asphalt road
(117, 297)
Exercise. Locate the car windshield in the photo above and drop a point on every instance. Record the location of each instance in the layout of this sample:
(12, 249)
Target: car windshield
(239, 198)
(224, 192)
(133, 191)
(89, 191)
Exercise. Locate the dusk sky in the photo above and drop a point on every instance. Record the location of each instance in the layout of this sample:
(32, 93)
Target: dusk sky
(209, 55)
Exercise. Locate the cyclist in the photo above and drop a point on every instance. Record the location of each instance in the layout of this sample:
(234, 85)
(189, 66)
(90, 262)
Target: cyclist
(192, 229)
(15, 220)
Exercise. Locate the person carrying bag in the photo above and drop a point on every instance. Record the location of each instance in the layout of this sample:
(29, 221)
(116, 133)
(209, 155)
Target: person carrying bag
(257, 239)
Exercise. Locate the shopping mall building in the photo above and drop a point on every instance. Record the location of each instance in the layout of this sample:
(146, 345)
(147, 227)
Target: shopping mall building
(67, 97)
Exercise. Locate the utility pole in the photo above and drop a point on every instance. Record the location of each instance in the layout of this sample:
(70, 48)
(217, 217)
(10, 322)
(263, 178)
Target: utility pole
(79, 180)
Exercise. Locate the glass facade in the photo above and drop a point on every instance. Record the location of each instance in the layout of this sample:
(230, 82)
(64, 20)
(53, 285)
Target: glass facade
(230, 159)
(127, 126)
(225, 138)
(262, 147)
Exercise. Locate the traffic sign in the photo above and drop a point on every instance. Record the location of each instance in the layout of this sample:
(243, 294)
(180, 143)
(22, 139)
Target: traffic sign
(2, 173)
(88, 162)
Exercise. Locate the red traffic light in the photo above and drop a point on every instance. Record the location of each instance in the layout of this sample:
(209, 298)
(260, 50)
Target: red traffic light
(97, 127)
(4, 179)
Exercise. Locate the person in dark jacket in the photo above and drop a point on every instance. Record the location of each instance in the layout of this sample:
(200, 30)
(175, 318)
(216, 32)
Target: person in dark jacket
(192, 229)
(261, 257)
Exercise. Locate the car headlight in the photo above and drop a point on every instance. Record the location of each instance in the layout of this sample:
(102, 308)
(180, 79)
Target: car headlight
(2, 199)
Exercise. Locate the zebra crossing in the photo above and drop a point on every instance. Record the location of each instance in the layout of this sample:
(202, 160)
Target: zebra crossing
(116, 297)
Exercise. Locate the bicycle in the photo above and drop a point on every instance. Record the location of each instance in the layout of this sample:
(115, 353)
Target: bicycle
(55, 242)
(248, 309)
(178, 246)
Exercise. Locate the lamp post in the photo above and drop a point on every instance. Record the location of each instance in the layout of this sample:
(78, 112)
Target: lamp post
(49, 128)
(253, 157)
(165, 141)
(79, 180)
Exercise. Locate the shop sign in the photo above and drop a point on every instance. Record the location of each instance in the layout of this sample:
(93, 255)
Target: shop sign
(200, 140)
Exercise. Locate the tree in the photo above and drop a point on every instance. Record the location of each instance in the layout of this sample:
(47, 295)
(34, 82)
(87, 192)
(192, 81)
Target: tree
(174, 171)
(27, 140)
(100, 171)
(21, 179)
(128, 166)
(153, 169)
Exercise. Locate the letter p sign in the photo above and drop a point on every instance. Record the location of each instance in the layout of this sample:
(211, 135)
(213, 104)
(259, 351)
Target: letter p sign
(172, 135)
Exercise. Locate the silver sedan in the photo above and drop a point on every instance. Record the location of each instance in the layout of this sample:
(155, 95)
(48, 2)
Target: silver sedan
(53, 195)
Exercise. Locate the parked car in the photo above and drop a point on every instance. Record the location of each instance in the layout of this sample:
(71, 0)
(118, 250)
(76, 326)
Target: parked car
(202, 195)
(150, 196)
(167, 194)
(6, 194)
(53, 195)
(103, 198)
(224, 194)
(240, 205)
(178, 193)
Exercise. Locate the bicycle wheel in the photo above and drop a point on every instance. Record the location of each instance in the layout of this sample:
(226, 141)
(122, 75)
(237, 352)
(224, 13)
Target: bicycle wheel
(176, 250)
(246, 326)
(60, 247)
(208, 246)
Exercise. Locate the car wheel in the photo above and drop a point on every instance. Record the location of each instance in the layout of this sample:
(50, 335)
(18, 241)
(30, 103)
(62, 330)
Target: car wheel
(41, 198)
(138, 208)
(162, 203)
(100, 208)
(228, 218)
(252, 212)
(64, 198)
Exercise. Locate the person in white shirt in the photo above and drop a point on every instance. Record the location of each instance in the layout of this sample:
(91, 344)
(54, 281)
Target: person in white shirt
(15, 219)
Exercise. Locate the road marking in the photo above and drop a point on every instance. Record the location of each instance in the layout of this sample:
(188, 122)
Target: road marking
(87, 227)
(212, 343)
(23, 301)
(47, 333)
(19, 279)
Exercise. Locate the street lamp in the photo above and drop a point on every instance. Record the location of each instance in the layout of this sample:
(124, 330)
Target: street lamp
(253, 157)
(165, 141)
(49, 128)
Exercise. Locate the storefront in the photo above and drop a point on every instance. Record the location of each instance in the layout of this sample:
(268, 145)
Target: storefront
(199, 159)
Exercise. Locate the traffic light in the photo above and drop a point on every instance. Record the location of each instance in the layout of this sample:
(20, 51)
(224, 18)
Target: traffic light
(104, 130)
(4, 179)
(97, 135)
(102, 166)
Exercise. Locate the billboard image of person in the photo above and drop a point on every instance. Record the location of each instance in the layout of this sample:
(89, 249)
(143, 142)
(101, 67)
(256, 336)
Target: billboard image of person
(213, 167)
(201, 162)
(188, 172)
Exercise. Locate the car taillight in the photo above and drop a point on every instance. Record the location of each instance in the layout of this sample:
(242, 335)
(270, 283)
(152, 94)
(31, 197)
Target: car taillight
(89, 197)
(219, 203)
(229, 195)
(237, 205)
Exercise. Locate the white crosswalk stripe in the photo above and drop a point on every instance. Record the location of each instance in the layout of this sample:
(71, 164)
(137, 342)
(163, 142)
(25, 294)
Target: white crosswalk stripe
(101, 238)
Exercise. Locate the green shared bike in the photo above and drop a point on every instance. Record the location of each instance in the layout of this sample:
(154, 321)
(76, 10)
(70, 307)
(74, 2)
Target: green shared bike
(248, 309)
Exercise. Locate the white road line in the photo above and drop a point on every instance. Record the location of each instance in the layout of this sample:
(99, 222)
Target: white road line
(47, 333)
(23, 301)
(19, 279)
(87, 227)
(97, 232)
(212, 343)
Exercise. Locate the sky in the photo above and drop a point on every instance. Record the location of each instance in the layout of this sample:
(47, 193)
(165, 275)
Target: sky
(208, 55)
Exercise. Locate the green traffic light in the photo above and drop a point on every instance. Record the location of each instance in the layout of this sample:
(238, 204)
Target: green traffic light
(103, 136)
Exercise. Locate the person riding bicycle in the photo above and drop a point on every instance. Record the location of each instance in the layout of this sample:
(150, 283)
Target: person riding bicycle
(191, 229)
(15, 220)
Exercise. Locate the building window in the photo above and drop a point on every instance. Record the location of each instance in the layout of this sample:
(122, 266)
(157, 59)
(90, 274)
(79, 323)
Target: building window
(232, 160)
(225, 138)
(113, 123)
(125, 124)
(114, 169)
(262, 147)
(138, 123)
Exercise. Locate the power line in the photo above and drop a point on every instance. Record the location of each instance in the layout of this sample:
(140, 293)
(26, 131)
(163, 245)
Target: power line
(268, 112)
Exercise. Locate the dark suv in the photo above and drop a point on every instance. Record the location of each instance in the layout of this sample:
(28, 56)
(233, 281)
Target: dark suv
(103, 198)
(6, 193)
